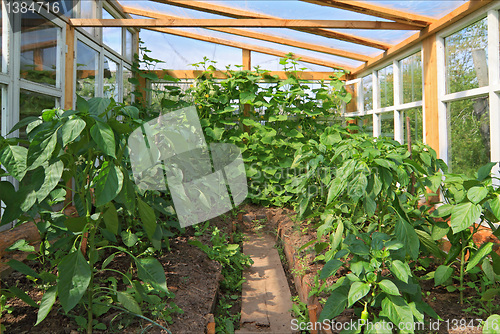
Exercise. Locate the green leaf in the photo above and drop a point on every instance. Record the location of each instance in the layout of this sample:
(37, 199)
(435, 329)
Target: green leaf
(151, 271)
(478, 256)
(110, 217)
(389, 287)
(398, 311)
(41, 149)
(22, 123)
(129, 238)
(148, 217)
(400, 270)
(128, 302)
(335, 304)
(104, 137)
(127, 195)
(490, 294)
(108, 183)
(357, 187)
(71, 130)
(13, 159)
(22, 268)
(131, 112)
(20, 245)
(495, 206)
(53, 174)
(442, 274)
(330, 268)
(464, 215)
(477, 194)
(429, 243)
(48, 299)
(407, 235)
(73, 280)
(492, 324)
(337, 237)
(358, 290)
(485, 171)
(76, 224)
(98, 105)
(23, 296)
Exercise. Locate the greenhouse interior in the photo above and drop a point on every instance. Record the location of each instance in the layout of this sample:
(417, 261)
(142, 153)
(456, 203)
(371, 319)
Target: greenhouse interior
(279, 166)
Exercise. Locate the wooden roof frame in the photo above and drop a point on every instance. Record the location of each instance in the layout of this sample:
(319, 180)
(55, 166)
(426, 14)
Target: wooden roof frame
(240, 23)
(400, 20)
(261, 36)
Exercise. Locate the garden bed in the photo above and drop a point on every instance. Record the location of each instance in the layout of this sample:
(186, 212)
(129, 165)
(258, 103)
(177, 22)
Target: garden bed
(302, 269)
(190, 274)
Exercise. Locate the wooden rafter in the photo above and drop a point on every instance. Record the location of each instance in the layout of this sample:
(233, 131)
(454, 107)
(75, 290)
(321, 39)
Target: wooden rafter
(418, 21)
(238, 13)
(260, 49)
(260, 36)
(447, 20)
(240, 23)
(193, 74)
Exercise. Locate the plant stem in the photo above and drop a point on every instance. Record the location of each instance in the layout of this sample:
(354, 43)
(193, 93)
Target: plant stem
(462, 264)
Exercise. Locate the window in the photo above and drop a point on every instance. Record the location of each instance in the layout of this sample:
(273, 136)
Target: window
(129, 45)
(110, 88)
(112, 37)
(416, 124)
(387, 125)
(32, 104)
(38, 49)
(468, 134)
(467, 58)
(87, 64)
(411, 73)
(365, 124)
(87, 11)
(127, 86)
(386, 84)
(368, 92)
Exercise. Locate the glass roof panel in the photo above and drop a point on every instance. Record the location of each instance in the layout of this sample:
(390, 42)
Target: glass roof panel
(434, 9)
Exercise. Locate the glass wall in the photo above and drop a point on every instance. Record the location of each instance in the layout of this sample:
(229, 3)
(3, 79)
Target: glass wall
(416, 128)
(111, 36)
(87, 64)
(367, 92)
(467, 58)
(387, 125)
(38, 49)
(468, 134)
(110, 87)
(411, 74)
(386, 84)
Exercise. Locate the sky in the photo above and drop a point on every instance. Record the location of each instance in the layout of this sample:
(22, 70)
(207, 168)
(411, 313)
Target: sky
(179, 52)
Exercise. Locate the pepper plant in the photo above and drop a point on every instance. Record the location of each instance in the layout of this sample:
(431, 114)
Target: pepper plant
(88, 146)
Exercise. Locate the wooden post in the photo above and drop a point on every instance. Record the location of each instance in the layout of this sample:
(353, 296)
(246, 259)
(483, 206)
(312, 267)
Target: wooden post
(69, 82)
(247, 66)
(431, 100)
(313, 316)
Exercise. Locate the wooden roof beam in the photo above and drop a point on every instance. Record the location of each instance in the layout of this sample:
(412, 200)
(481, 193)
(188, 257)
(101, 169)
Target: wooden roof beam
(418, 21)
(447, 20)
(239, 45)
(240, 23)
(238, 13)
(261, 36)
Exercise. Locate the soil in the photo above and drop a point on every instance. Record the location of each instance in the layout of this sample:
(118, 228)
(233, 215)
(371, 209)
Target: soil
(194, 279)
(190, 274)
(297, 233)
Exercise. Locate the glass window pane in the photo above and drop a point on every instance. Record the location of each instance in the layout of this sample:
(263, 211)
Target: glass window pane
(110, 84)
(387, 125)
(352, 106)
(87, 60)
(365, 124)
(466, 58)
(1, 50)
(411, 72)
(32, 104)
(38, 49)
(468, 135)
(111, 36)
(368, 92)
(127, 86)
(386, 84)
(87, 12)
(129, 52)
(416, 124)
